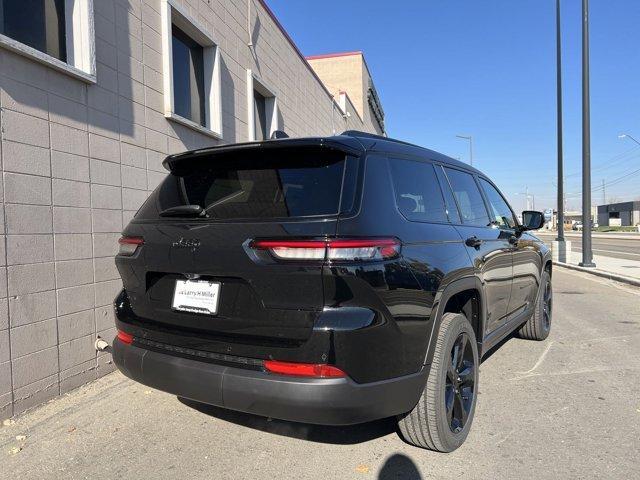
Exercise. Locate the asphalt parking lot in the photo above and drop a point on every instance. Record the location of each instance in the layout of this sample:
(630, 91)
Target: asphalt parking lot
(568, 407)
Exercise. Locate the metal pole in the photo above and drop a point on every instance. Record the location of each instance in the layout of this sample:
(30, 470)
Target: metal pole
(560, 201)
(604, 193)
(470, 139)
(587, 254)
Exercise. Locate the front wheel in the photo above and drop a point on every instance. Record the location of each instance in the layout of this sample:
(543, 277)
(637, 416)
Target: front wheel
(539, 325)
(442, 417)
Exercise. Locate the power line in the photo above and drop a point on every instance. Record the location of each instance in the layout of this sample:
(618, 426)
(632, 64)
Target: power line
(608, 184)
(616, 159)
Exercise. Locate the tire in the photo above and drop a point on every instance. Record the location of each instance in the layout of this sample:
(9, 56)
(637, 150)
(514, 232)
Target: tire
(539, 325)
(431, 424)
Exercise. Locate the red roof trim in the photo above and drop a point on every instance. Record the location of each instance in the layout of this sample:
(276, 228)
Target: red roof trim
(333, 55)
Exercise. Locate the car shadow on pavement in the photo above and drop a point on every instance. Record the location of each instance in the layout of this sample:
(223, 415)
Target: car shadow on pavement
(342, 435)
(497, 347)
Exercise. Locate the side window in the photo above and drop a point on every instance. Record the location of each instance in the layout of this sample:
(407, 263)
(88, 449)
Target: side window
(188, 77)
(38, 24)
(501, 214)
(450, 202)
(465, 189)
(418, 194)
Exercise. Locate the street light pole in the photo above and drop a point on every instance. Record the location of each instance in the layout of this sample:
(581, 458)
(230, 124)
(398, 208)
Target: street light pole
(560, 206)
(626, 135)
(470, 138)
(587, 254)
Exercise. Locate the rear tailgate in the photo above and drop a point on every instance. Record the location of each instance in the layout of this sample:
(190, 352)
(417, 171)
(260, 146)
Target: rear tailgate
(287, 193)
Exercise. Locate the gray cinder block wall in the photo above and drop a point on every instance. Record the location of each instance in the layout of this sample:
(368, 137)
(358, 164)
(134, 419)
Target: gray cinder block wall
(78, 159)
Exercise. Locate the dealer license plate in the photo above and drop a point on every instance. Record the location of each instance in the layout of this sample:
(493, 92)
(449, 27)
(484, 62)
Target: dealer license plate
(198, 296)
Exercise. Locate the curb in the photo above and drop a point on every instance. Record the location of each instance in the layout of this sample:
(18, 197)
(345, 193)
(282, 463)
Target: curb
(600, 273)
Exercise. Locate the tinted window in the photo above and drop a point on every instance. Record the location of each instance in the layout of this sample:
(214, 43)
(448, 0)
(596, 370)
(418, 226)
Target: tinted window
(468, 197)
(37, 23)
(260, 115)
(418, 194)
(188, 77)
(258, 184)
(450, 202)
(501, 214)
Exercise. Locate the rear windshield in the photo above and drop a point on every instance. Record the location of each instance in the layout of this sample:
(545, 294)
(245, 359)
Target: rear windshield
(257, 184)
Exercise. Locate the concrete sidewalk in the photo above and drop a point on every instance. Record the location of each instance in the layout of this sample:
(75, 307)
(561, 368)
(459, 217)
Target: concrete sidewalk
(619, 269)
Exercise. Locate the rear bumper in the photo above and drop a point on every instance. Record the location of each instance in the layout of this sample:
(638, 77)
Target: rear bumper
(319, 401)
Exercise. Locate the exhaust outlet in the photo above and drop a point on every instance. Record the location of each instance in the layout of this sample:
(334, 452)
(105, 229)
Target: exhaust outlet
(102, 345)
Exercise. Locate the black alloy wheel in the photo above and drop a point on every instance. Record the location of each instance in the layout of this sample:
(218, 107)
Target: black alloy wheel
(460, 383)
(538, 326)
(443, 416)
(546, 306)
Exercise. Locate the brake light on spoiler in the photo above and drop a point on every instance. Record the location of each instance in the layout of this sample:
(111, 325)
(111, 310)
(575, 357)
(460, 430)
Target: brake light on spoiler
(336, 249)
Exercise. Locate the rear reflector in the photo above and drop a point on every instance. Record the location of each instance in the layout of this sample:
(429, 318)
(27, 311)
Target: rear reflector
(312, 370)
(129, 245)
(348, 249)
(125, 337)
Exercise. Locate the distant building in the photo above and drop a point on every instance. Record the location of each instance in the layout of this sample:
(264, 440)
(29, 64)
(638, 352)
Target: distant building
(625, 214)
(348, 78)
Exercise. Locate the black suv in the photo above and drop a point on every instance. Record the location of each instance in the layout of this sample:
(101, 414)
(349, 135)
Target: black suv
(331, 280)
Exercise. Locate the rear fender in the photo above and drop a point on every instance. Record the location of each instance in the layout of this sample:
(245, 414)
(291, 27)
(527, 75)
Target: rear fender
(441, 300)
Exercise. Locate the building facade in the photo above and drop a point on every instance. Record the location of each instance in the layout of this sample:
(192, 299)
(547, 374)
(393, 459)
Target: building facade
(625, 214)
(93, 95)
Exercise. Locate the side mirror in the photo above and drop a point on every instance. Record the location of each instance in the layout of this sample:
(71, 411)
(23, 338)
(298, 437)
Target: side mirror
(532, 220)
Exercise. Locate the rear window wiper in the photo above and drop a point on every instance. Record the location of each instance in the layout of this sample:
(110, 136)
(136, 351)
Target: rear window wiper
(184, 211)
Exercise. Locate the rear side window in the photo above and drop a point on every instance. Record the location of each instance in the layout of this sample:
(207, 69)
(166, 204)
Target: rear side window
(256, 184)
(467, 195)
(417, 191)
(449, 201)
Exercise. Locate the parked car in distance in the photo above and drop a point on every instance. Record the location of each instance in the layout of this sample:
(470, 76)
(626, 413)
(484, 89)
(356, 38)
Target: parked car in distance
(332, 280)
(578, 225)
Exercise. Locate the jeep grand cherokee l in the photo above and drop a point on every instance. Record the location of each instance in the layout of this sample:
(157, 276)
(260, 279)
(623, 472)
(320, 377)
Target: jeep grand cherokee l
(331, 280)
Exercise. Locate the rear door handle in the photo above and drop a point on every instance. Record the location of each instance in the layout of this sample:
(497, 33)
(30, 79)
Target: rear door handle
(474, 242)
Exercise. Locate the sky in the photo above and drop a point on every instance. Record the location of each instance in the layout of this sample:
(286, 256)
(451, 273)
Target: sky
(487, 68)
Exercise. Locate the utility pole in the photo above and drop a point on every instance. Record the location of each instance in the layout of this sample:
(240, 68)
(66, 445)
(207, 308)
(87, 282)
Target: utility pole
(587, 254)
(560, 202)
(604, 193)
(526, 198)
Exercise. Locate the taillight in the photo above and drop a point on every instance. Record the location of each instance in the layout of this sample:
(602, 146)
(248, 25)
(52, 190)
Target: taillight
(129, 245)
(353, 249)
(125, 337)
(346, 249)
(313, 370)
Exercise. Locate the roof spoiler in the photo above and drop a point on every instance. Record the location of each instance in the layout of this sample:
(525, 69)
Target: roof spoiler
(345, 144)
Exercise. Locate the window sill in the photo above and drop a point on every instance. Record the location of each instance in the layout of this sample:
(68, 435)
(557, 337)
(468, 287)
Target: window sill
(174, 117)
(41, 57)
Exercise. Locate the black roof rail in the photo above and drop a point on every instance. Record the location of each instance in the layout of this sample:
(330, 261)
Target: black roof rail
(358, 133)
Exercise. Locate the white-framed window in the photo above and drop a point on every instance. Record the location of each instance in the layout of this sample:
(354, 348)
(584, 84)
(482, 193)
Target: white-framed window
(262, 106)
(191, 72)
(58, 33)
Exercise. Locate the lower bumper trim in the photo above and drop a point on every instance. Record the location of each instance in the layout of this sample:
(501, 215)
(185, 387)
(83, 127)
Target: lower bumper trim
(324, 401)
